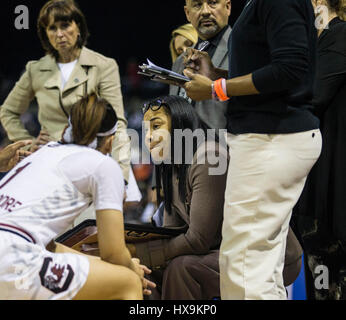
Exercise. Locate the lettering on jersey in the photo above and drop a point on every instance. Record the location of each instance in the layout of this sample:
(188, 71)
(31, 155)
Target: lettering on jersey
(8, 203)
(55, 277)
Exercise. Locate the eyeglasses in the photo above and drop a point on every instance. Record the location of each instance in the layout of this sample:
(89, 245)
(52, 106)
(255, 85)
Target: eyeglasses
(154, 106)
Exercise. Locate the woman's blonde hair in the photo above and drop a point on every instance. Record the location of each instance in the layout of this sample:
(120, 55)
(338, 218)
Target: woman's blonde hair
(338, 6)
(187, 31)
(342, 10)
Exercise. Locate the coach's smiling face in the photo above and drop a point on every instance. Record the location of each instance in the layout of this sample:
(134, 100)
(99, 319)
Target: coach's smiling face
(158, 126)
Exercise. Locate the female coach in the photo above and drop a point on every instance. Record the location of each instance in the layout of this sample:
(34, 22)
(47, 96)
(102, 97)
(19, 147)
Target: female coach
(273, 138)
(66, 73)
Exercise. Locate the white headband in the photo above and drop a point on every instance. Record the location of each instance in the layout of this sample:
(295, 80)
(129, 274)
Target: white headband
(68, 135)
(109, 132)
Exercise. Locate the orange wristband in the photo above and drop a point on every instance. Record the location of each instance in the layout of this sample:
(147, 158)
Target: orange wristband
(220, 91)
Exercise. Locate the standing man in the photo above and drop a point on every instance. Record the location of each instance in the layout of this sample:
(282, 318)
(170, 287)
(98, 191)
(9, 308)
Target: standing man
(210, 19)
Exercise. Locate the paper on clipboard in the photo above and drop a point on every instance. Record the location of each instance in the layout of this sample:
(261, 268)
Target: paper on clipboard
(160, 74)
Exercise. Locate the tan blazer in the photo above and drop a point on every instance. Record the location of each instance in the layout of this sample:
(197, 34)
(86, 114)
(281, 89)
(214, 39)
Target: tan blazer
(42, 79)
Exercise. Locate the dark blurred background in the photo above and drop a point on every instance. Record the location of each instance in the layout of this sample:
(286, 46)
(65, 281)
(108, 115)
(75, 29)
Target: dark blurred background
(124, 30)
(128, 31)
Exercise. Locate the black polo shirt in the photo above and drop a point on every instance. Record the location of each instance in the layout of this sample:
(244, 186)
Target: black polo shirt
(275, 40)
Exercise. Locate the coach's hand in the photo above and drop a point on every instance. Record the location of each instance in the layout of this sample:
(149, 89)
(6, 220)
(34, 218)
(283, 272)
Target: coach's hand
(199, 62)
(42, 139)
(141, 271)
(147, 284)
(12, 154)
(199, 88)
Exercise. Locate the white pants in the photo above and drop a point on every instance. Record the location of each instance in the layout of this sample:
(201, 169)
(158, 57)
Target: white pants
(29, 272)
(265, 179)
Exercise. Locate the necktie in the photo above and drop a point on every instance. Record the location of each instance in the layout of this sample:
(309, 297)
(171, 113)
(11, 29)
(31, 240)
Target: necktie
(203, 45)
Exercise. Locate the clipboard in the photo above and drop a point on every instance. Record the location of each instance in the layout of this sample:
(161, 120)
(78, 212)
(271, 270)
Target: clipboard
(83, 238)
(160, 74)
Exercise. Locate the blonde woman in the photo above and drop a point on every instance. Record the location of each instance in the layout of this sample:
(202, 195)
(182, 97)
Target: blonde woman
(342, 10)
(182, 38)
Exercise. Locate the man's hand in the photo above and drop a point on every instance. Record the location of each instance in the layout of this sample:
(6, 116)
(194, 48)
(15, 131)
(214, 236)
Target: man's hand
(141, 270)
(42, 139)
(199, 88)
(12, 154)
(199, 62)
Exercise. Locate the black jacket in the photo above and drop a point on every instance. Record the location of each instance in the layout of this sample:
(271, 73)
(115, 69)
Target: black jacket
(275, 41)
(324, 195)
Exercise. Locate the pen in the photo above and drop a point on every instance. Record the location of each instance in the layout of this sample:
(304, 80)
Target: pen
(203, 45)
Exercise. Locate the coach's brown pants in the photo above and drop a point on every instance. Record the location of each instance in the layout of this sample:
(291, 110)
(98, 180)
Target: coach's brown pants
(189, 277)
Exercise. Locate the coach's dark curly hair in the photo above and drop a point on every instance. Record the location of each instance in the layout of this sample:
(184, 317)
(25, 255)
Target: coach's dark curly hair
(61, 10)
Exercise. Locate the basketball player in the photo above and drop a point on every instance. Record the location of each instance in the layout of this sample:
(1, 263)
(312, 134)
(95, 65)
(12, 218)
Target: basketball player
(44, 193)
